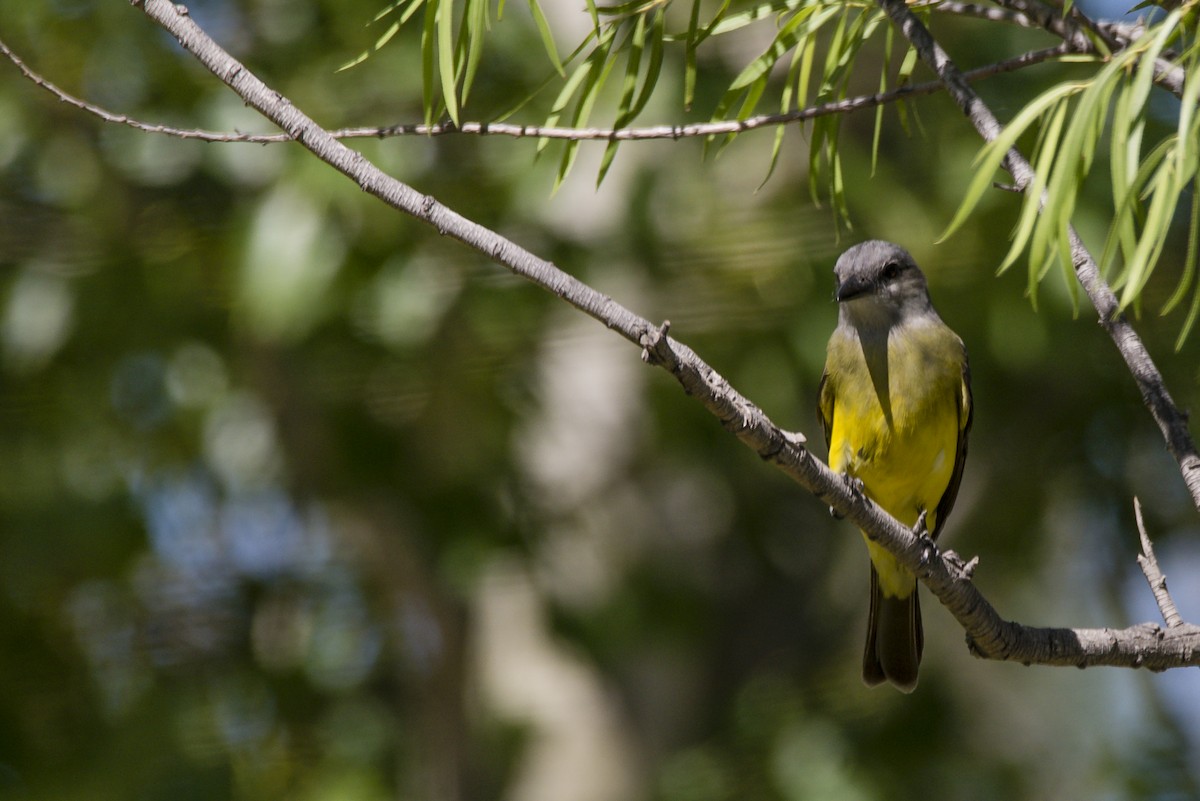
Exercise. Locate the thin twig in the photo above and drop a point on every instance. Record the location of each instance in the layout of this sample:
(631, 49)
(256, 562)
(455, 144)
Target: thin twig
(718, 128)
(1158, 582)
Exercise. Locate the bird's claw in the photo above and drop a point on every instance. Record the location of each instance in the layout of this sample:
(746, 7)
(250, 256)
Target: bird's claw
(857, 489)
(929, 549)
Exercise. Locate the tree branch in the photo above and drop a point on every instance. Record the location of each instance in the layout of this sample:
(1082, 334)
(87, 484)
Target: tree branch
(701, 129)
(1154, 576)
(1147, 645)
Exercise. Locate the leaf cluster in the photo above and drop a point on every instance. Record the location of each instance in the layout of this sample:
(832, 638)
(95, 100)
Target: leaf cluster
(811, 54)
(1112, 111)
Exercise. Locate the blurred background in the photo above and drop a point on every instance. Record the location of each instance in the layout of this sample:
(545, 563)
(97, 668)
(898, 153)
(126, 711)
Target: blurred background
(300, 500)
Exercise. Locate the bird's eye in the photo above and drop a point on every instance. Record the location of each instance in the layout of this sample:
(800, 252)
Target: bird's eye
(891, 270)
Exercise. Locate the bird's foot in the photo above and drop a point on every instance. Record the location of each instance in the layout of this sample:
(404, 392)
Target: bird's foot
(857, 489)
(929, 549)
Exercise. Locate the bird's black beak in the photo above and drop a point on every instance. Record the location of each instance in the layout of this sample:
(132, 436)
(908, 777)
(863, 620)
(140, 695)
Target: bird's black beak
(851, 288)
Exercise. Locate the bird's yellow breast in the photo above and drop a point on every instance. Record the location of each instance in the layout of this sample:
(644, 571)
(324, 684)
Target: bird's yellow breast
(895, 424)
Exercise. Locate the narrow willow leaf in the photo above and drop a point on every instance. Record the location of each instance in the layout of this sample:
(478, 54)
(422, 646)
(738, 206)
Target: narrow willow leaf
(1153, 234)
(832, 55)
(1189, 261)
(547, 35)
(627, 9)
(595, 15)
(784, 41)
(1032, 200)
(1190, 321)
(413, 5)
(471, 37)
(785, 105)
(1071, 165)
(1121, 171)
(904, 78)
(1187, 113)
(804, 78)
(865, 23)
(428, 50)
(1151, 47)
(713, 23)
(1189, 269)
(1133, 158)
(654, 69)
(1067, 262)
(1140, 188)
(689, 56)
(883, 85)
(536, 92)
(754, 93)
(750, 83)
(750, 97)
(821, 130)
(602, 65)
(572, 85)
(904, 74)
(380, 42)
(1127, 131)
(633, 64)
(445, 56)
(754, 14)
(1068, 172)
(837, 185)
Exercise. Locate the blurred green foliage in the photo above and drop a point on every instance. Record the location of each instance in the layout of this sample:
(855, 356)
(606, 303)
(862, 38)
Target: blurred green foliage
(300, 500)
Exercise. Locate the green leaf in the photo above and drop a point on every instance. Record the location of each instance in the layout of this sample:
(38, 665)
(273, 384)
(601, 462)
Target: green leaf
(445, 56)
(689, 55)
(1153, 233)
(751, 15)
(654, 69)
(784, 41)
(386, 36)
(785, 105)
(428, 36)
(547, 35)
(883, 85)
(471, 39)
(625, 111)
(804, 78)
(1124, 150)
(573, 83)
(1032, 200)
(1189, 261)
(380, 42)
(1189, 270)
(1139, 189)
(601, 65)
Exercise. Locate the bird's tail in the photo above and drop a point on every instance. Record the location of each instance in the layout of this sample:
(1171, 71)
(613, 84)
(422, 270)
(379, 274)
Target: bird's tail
(894, 639)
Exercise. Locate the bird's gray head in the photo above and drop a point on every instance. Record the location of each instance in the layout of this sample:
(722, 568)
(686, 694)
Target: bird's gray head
(878, 282)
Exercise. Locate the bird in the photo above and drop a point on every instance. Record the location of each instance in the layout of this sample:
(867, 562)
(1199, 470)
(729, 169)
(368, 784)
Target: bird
(896, 407)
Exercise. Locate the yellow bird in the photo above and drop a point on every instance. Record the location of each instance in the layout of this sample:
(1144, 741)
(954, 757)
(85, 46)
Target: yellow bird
(895, 404)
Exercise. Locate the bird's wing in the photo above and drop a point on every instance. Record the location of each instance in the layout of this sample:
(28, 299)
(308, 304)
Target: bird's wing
(966, 412)
(825, 406)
